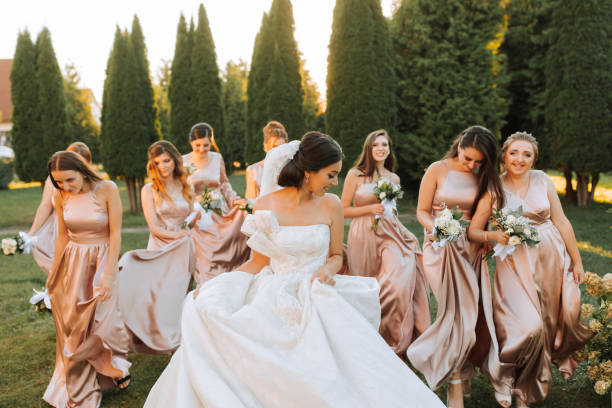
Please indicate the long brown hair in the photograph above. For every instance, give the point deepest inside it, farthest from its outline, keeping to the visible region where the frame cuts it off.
(366, 163)
(481, 139)
(66, 160)
(157, 149)
(202, 130)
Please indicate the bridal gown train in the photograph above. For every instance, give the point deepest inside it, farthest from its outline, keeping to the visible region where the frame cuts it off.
(276, 340)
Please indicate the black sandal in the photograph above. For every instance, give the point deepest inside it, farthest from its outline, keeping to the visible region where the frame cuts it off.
(121, 381)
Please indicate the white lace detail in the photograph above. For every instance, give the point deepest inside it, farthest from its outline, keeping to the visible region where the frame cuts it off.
(276, 159)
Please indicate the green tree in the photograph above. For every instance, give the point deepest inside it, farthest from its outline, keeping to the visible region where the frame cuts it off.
(360, 78)
(180, 90)
(30, 158)
(578, 72)
(275, 85)
(450, 74)
(233, 93)
(81, 124)
(160, 88)
(206, 85)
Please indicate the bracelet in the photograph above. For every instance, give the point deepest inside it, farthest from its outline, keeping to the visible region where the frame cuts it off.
(485, 236)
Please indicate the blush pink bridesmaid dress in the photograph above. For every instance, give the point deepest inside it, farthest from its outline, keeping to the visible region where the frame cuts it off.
(42, 245)
(392, 255)
(153, 282)
(253, 178)
(91, 340)
(221, 247)
(536, 304)
(459, 338)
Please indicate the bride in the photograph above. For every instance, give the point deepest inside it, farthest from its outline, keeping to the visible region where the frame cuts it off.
(283, 330)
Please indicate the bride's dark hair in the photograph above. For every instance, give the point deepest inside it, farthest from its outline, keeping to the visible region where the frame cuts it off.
(316, 151)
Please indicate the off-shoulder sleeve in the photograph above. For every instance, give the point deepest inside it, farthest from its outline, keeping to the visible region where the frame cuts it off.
(260, 227)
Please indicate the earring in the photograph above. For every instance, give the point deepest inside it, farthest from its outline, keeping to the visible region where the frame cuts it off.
(307, 179)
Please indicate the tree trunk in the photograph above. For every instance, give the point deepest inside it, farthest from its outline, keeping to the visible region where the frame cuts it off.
(137, 190)
(582, 188)
(570, 193)
(129, 184)
(594, 181)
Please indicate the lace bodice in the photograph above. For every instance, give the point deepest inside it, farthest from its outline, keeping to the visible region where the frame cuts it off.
(291, 249)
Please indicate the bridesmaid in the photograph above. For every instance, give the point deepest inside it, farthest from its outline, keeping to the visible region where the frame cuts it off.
(460, 336)
(220, 246)
(274, 134)
(537, 287)
(43, 232)
(391, 254)
(91, 340)
(154, 281)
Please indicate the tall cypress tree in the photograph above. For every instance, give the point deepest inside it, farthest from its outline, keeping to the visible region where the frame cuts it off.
(360, 76)
(149, 114)
(578, 71)
(206, 85)
(450, 76)
(51, 101)
(180, 90)
(275, 85)
(234, 110)
(29, 155)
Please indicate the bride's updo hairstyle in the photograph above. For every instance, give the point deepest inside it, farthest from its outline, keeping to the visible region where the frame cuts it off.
(316, 151)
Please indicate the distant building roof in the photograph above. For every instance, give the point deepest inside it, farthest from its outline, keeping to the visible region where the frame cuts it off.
(6, 107)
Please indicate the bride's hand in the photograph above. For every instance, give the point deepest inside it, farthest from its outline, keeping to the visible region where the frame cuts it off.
(324, 276)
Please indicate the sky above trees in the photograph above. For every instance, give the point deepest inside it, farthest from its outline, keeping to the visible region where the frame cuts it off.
(83, 31)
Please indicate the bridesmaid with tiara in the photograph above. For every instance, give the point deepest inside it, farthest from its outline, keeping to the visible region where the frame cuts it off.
(274, 134)
(219, 244)
(91, 340)
(536, 298)
(40, 239)
(153, 282)
(391, 254)
(460, 336)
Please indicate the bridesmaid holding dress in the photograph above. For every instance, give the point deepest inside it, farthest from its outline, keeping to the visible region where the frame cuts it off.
(536, 298)
(219, 244)
(91, 340)
(153, 282)
(274, 134)
(391, 254)
(43, 232)
(460, 336)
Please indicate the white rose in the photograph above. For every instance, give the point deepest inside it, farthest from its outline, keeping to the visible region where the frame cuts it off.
(382, 195)
(511, 219)
(514, 240)
(454, 228)
(441, 223)
(9, 246)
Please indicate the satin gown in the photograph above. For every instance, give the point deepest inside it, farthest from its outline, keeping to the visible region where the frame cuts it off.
(276, 340)
(536, 304)
(43, 244)
(253, 179)
(153, 282)
(221, 246)
(459, 338)
(91, 340)
(392, 255)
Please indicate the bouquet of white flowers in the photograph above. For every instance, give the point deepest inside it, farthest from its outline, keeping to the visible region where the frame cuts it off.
(518, 227)
(189, 168)
(41, 301)
(12, 246)
(387, 192)
(248, 207)
(212, 200)
(448, 226)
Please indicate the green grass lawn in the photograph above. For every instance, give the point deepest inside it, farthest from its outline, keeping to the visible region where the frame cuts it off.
(27, 338)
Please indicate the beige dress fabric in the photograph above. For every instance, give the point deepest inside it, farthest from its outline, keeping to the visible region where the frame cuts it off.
(221, 247)
(536, 304)
(43, 246)
(153, 282)
(253, 177)
(91, 340)
(392, 255)
(459, 338)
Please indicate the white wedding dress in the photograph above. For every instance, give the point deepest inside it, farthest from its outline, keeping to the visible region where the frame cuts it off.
(276, 340)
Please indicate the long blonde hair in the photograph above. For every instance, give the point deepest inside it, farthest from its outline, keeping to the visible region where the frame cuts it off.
(157, 149)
